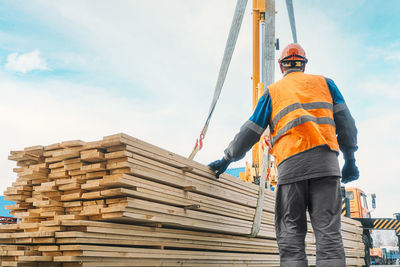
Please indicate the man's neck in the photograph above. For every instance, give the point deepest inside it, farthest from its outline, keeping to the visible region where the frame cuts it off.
(291, 70)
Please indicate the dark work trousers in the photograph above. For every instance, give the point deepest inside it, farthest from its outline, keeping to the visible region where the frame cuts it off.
(322, 198)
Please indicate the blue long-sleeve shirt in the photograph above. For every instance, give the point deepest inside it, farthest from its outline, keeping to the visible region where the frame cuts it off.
(316, 162)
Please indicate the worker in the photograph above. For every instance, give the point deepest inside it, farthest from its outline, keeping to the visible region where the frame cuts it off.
(309, 121)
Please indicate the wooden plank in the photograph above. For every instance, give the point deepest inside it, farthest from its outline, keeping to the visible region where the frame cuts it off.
(72, 143)
(93, 155)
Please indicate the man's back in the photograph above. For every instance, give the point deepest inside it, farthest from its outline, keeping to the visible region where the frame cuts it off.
(301, 115)
(301, 86)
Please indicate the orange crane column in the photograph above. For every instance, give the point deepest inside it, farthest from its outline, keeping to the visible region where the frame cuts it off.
(258, 15)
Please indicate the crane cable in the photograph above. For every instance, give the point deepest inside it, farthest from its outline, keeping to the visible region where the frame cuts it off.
(229, 48)
(289, 6)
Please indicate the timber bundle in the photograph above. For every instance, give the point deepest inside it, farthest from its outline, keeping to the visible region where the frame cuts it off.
(124, 202)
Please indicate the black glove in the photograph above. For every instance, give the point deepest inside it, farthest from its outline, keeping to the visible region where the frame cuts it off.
(349, 171)
(220, 166)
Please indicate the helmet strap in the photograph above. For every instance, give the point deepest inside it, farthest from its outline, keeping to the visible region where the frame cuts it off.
(293, 63)
(301, 57)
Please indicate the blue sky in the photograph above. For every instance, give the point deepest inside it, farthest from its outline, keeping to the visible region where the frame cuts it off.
(86, 69)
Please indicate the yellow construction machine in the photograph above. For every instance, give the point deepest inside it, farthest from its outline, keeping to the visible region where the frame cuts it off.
(355, 206)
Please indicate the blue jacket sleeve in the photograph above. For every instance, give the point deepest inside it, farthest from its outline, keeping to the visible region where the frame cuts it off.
(345, 125)
(251, 130)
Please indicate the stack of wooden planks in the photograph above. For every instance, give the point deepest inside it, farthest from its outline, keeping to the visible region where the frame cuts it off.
(123, 202)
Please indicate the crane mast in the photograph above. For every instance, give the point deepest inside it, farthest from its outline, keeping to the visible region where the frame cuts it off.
(263, 63)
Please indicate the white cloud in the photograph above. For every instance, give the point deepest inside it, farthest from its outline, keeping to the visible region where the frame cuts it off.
(389, 53)
(382, 86)
(393, 57)
(25, 62)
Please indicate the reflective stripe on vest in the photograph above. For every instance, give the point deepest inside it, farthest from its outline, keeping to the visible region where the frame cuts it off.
(302, 115)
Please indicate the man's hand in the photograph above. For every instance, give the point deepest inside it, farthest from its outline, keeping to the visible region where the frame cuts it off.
(219, 166)
(350, 171)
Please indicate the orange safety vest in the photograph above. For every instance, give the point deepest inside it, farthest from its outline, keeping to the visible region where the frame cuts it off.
(302, 115)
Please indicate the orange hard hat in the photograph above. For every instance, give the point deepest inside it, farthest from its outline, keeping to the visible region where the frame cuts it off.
(293, 52)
